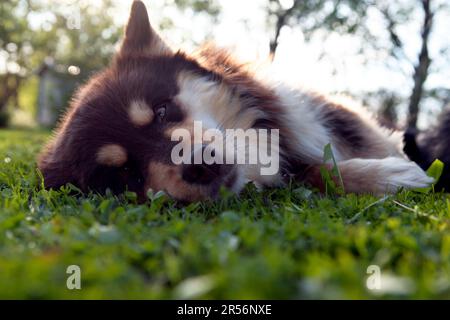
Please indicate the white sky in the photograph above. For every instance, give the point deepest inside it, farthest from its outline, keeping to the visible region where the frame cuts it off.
(242, 27)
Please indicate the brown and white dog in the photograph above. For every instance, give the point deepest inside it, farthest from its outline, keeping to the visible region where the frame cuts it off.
(117, 132)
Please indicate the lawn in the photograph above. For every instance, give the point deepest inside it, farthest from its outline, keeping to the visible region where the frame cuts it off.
(286, 243)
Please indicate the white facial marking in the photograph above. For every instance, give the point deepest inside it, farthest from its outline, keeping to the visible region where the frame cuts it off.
(112, 155)
(140, 113)
(213, 103)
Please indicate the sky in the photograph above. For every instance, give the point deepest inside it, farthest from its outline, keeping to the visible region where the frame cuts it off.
(242, 27)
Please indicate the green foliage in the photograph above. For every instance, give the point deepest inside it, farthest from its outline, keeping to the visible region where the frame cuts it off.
(330, 176)
(435, 171)
(279, 243)
(342, 16)
(211, 7)
(90, 47)
(34, 31)
(28, 95)
(26, 46)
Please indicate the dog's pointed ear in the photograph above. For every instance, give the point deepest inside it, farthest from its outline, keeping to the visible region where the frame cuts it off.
(140, 37)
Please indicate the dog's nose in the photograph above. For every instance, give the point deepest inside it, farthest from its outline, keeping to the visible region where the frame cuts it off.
(201, 173)
(204, 172)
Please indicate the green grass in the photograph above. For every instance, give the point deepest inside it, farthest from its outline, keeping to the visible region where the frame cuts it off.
(285, 243)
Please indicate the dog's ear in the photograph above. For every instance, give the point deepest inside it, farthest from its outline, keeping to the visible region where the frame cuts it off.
(140, 37)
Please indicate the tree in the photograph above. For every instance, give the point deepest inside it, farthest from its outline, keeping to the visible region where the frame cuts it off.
(24, 47)
(347, 16)
(87, 46)
(421, 68)
(210, 7)
(311, 15)
(14, 49)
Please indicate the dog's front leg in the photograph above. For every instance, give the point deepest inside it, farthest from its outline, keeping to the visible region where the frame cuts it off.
(374, 176)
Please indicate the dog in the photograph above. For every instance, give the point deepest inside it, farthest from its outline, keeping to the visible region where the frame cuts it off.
(434, 143)
(117, 133)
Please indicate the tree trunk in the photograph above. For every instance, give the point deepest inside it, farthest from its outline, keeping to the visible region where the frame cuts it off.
(9, 89)
(282, 18)
(274, 43)
(421, 69)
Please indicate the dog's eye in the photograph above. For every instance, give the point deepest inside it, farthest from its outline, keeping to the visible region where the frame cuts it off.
(161, 112)
(167, 111)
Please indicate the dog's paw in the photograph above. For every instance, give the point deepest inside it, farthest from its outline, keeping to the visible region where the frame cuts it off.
(399, 173)
(381, 176)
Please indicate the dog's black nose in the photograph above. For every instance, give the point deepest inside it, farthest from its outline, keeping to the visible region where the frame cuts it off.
(201, 173)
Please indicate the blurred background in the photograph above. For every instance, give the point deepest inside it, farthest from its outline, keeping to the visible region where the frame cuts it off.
(392, 56)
